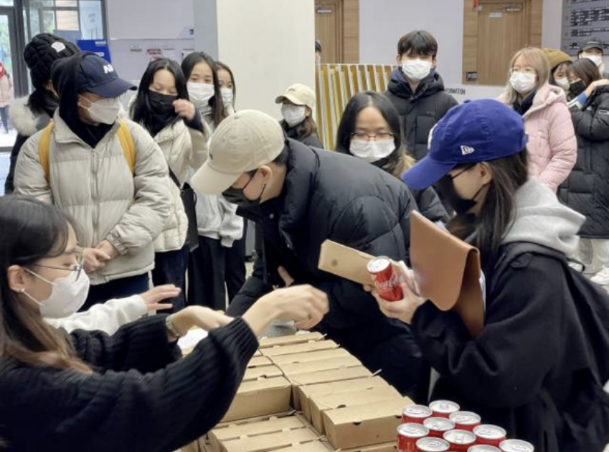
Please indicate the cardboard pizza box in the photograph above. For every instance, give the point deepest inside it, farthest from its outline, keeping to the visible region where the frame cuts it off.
(262, 397)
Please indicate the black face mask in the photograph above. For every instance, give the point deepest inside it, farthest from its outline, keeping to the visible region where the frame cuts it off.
(577, 88)
(237, 197)
(446, 186)
(163, 111)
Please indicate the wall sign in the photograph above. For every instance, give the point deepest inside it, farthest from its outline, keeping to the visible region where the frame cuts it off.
(582, 21)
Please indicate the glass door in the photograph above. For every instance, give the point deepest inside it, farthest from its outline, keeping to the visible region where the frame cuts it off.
(10, 75)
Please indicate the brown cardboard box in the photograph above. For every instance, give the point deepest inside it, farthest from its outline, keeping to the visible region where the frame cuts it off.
(315, 446)
(327, 402)
(306, 392)
(299, 348)
(301, 338)
(310, 356)
(249, 428)
(255, 373)
(294, 369)
(389, 447)
(261, 397)
(258, 361)
(364, 425)
(271, 441)
(327, 376)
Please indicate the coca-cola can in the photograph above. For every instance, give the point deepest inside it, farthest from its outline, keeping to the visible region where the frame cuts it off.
(460, 440)
(483, 448)
(465, 420)
(432, 445)
(385, 279)
(516, 445)
(416, 414)
(444, 408)
(438, 426)
(409, 434)
(490, 434)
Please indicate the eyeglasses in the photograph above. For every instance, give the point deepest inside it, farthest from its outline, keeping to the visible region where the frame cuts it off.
(369, 136)
(76, 268)
(523, 70)
(464, 170)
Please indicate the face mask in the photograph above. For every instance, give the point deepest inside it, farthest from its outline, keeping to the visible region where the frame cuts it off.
(416, 70)
(522, 83)
(577, 88)
(200, 94)
(237, 197)
(563, 83)
(598, 60)
(104, 111)
(162, 104)
(461, 206)
(293, 114)
(227, 96)
(371, 151)
(68, 295)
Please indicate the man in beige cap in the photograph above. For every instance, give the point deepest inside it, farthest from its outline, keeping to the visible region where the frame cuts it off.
(300, 196)
(297, 105)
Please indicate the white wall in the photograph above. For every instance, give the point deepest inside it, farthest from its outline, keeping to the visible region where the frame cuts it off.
(267, 43)
(552, 24)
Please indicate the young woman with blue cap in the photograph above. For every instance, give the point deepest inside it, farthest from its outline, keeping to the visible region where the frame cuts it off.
(538, 367)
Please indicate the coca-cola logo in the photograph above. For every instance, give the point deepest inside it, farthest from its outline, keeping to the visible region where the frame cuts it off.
(388, 285)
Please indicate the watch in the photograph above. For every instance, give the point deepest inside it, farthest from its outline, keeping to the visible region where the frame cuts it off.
(170, 327)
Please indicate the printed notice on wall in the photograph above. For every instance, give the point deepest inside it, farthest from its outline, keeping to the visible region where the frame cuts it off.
(584, 20)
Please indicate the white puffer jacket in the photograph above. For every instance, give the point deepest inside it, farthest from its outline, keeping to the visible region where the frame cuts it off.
(96, 187)
(185, 149)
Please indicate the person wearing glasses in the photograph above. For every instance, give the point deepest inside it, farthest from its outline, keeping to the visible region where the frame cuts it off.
(370, 130)
(552, 144)
(125, 392)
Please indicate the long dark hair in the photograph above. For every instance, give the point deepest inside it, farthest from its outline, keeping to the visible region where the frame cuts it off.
(29, 231)
(216, 104)
(399, 161)
(303, 130)
(221, 66)
(586, 70)
(497, 214)
(142, 110)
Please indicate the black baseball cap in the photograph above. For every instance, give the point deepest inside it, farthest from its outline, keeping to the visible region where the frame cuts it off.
(97, 76)
(592, 44)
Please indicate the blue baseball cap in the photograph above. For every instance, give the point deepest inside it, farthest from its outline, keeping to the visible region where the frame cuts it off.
(97, 76)
(477, 131)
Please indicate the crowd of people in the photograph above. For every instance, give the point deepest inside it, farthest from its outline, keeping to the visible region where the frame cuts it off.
(120, 210)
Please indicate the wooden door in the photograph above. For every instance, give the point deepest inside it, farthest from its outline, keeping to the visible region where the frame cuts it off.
(502, 32)
(328, 29)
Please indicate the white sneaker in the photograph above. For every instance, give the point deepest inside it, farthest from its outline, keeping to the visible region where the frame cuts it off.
(602, 277)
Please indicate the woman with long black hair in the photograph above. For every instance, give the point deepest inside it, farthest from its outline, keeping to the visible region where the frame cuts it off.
(94, 392)
(163, 108)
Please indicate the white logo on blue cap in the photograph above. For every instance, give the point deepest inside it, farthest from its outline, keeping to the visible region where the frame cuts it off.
(108, 68)
(466, 150)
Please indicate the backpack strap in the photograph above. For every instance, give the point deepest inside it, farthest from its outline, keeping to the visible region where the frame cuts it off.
(44, 147)
(124, 136)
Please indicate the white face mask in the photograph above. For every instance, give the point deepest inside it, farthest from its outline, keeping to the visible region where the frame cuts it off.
(104, 111)
(372, 151)
(200, 93)
(293, 114)
(68, 295)
(523, 83)
(416, 70)
(598, 60)
(227, 96)
(563, 83)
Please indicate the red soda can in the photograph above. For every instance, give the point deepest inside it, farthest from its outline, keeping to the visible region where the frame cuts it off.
(385, 279)
(432, 445)
(444, 408)
(438, 426)
(465, 420)
(516, 445)
(416, 414)
(460, 440)
(490, 435)
(483, 448)
(409, 434)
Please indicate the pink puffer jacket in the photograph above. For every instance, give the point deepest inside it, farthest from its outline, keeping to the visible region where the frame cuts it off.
(552, 144)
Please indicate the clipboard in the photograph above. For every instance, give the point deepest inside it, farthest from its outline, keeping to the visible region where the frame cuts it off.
(346, 262)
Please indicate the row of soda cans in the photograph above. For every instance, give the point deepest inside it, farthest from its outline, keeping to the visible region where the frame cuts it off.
(443, 427)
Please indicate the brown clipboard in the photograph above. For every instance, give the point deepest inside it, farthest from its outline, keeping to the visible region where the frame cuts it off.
(348, 263)
(447, 271)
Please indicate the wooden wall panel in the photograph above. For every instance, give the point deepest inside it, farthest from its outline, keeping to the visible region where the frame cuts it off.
(351, 31)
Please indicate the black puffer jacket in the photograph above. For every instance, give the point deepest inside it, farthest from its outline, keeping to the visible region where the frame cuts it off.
(419, 111)
(310, 140)
(587, 188)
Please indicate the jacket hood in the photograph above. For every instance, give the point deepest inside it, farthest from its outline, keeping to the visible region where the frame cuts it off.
(399, 86)
(22, 118)
(542, 219)
(546, 95)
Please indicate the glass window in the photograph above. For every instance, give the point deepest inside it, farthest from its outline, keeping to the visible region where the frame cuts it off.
(6, 3)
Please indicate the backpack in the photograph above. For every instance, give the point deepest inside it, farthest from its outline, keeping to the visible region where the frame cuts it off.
(591, 302)
(124, 136)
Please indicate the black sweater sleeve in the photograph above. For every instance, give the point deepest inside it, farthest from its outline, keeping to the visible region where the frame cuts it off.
(9, 184)
(127, 411)
(507, 364)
